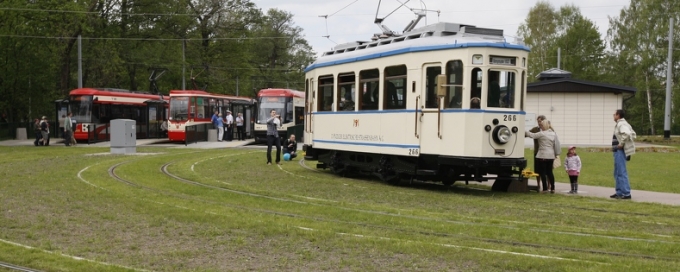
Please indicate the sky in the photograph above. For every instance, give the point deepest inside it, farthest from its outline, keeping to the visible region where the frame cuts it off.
(352, 20)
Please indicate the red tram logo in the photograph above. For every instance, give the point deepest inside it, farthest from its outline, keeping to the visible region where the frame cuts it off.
(356, 122)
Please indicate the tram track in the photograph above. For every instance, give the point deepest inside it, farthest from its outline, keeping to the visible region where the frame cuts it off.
(441, 188)
(164, 170)
(17, 268)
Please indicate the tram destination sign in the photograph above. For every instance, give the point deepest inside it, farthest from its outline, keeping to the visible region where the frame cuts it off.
(503, 61)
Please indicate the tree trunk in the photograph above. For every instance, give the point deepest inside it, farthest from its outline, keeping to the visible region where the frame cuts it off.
(649, 105)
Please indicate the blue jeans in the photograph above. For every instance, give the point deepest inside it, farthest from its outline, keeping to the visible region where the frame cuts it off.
(621, 174)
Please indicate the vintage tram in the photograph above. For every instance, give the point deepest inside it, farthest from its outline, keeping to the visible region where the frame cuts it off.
(442, 103)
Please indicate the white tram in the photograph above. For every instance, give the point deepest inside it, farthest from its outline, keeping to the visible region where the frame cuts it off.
(443, 103)
(290, 104)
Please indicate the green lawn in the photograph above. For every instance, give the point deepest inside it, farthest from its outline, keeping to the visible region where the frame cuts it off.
(225, 210)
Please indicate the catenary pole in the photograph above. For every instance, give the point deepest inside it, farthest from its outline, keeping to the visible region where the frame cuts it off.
(669, 82)
(80, 62)
(184, 45)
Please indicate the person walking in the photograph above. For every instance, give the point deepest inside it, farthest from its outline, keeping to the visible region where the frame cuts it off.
(572, 164)
(548, 150)
(623, 147)
(219, 124)
(240, 133)
(68, 129)
(37, 132)
(45, 131)
(273, 123)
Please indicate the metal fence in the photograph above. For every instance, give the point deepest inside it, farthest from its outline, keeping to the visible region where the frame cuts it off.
(8, 131)
(196, 133)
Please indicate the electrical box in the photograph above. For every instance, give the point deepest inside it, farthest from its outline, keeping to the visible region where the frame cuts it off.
(123, 136)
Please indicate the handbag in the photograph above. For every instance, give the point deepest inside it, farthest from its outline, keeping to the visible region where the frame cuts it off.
(557, 162)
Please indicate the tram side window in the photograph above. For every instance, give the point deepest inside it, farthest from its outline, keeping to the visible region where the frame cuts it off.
(346, 92)
(202, 107)
(501, 89)
(325, 101)
(521, 92)
(370, 89)
(454, 92)
(307, 95)
(395, 87)
(431, 86)
(476, 88)
(212, 107)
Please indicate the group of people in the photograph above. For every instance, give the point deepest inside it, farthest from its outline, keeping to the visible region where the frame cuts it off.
(225, 126)
(41, 127)
(547, 149)
(42, 130)
(289, 145)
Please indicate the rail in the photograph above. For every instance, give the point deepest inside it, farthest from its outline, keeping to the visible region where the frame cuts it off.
(416, 117)
(439, 117)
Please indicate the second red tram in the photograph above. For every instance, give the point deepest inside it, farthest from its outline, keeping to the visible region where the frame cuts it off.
(192, 107)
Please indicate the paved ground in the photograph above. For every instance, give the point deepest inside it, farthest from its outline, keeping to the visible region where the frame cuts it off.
(560, 188)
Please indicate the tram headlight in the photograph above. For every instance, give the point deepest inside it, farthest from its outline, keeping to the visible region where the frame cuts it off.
(501, 134)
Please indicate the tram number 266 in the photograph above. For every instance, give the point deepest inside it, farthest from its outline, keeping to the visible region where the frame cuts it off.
(509, 117)
(413, 152)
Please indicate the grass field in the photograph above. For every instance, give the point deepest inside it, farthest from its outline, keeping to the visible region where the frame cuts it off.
(225, 210)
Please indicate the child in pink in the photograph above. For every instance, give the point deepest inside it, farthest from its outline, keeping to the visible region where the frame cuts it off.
(572, 163)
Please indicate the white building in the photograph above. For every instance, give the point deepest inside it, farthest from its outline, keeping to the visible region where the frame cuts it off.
(581, 112)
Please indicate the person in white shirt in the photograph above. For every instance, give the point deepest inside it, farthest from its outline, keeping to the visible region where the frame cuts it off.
(273, 123)
(240, 127)
(229, 125)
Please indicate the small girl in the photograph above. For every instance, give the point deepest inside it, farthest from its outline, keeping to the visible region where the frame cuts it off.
(572, 163)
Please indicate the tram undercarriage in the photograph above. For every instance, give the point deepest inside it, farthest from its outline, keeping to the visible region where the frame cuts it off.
(430, 168)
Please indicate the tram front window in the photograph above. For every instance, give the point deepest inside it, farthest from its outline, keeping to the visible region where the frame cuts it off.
(81, 107)
(179, 108)
(501, 89)
(266, 104)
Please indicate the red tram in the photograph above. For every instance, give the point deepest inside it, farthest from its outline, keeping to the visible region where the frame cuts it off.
(193, 107)
(94, 108)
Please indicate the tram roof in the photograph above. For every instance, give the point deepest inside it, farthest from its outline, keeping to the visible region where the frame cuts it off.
(280, 92)
(197, 93)
(439, 36)
(115, 92)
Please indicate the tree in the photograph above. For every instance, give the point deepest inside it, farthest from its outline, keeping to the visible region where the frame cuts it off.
(539, 32)
(546, 29)
(638, 38)
(281, 51)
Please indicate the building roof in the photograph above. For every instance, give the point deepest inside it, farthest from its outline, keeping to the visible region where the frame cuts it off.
(570, 85)
(553, 73)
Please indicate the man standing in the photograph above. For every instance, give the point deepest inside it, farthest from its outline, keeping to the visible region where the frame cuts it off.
(239, 127)
(230, 126)
(623, 147)
(68, 129)
(273, 123)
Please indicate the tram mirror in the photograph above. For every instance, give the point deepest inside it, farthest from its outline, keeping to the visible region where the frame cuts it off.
(441, 85)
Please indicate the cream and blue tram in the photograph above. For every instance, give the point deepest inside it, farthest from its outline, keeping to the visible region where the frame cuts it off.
(442, 103)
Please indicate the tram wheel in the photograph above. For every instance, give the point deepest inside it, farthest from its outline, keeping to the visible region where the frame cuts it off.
(336, 165)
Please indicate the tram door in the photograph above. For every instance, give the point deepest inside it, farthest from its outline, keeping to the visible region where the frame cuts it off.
(429, 122)
(157, 114)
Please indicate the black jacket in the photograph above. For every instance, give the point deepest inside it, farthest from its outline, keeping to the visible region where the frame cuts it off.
(288, 142)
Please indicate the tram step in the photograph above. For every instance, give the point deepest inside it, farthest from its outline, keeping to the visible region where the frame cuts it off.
(427, 172)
